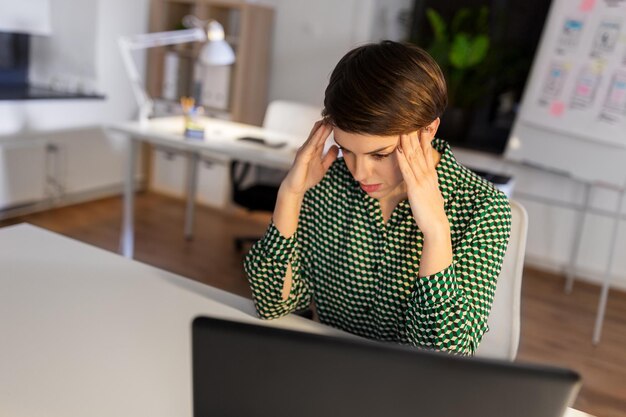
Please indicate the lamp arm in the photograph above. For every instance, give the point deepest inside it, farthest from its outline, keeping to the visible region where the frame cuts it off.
(143, 41)
(172, 37)
(142, 98)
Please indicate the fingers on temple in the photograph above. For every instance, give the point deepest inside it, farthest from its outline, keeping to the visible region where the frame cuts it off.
(405, 167)
(324, 133)
(427, 149)
(312, 135)
(312, 143)
(414, 155)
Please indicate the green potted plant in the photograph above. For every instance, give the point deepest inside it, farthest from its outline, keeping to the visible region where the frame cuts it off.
(461, 47)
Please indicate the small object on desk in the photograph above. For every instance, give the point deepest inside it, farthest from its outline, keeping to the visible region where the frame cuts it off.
(193, 127)
(187, 104)
(263, 142)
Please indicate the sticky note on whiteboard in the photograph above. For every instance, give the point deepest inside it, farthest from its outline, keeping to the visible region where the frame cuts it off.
(587, 5)
(557, 108)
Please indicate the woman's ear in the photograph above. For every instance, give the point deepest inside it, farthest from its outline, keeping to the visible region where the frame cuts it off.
(431, 129)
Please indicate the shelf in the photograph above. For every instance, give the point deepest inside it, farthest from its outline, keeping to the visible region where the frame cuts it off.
(248, 29)
(12, 92)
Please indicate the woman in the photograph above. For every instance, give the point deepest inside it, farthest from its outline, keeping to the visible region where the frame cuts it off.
(394, 241)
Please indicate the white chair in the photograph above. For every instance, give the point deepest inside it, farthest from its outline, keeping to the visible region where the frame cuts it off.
(291, 117)
(256, 189)
(502, 339)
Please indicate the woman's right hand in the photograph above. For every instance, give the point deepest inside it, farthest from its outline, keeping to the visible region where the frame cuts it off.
(310, 165)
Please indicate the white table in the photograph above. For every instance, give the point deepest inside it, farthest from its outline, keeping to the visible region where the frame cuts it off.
(220, 138)
(85, 332)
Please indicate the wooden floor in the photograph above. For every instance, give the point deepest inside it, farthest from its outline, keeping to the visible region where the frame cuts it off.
(556, 328)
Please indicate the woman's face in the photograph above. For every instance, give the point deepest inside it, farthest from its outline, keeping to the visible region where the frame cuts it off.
(372, 161)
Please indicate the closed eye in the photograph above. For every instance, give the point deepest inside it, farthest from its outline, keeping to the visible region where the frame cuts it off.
(380, 156)
(376, 156)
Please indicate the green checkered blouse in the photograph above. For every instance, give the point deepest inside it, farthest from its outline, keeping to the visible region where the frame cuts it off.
(362, 274)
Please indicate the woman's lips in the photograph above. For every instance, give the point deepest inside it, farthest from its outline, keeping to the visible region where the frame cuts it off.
(370, 188)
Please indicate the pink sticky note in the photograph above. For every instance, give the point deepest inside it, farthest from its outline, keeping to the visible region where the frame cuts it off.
(587, 5)
(557, 108)
(583, 90)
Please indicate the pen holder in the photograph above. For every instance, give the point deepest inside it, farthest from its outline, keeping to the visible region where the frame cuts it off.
(194, 128)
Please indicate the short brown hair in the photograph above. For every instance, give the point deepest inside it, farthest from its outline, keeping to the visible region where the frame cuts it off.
(385, 89)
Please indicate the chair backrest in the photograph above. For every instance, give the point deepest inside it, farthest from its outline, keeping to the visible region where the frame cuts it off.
(502, 339)
(291, 117)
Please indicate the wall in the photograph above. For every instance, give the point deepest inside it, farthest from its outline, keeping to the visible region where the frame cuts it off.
(311, 36)
(67, 58)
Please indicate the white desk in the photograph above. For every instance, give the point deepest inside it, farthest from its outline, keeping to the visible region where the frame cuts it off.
(220, 138)
(85, 332)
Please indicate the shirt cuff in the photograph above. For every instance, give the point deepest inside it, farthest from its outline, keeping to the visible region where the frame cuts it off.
(276, 246)
(436, 288)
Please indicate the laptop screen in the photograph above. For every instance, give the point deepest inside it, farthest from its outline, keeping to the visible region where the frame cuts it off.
(252, 370)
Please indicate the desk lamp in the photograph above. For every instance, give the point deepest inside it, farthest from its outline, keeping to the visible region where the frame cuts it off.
(216, 51)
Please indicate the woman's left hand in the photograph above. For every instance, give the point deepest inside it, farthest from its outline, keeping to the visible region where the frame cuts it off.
(416, 158)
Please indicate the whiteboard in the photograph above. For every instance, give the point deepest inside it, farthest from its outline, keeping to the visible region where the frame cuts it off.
(573, 113)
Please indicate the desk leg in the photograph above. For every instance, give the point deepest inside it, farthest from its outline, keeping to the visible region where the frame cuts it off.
(127, 239)
(192, 188)
(604, 295)
(580, 222)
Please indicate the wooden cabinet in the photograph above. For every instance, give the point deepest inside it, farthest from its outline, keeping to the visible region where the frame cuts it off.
(248, 29)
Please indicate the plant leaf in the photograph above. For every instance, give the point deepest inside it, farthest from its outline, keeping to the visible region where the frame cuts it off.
(459, 18)
(478, 50)
(459, 50)
(437, 24)
(467, 52)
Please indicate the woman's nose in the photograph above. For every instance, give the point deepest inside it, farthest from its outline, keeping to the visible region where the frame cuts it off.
(361, 170)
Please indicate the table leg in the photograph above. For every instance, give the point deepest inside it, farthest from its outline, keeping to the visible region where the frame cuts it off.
(127, 239)
(597, 331)
(192, 188)
(580, 222)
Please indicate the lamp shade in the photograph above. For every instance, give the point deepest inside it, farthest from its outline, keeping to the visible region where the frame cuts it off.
(217, 53)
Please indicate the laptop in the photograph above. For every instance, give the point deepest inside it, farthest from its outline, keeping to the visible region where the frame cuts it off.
(247, 370)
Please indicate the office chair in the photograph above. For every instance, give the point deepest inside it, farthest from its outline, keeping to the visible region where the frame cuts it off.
(256, 188)
(502, 339)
